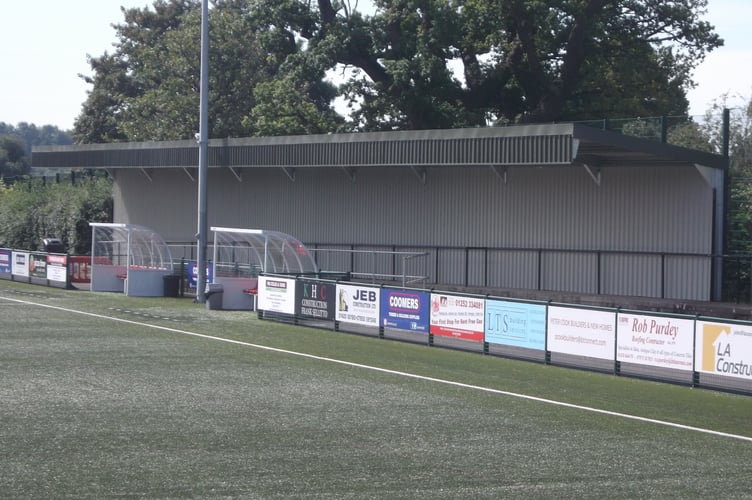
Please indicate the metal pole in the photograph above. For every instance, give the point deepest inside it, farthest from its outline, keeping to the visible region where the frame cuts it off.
(203, 153)
(721, 213)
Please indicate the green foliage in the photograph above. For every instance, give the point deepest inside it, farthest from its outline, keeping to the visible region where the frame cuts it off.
(521, 61)
(34, 210)
(412, 64)
(707, 135)
(291, 104)
(149, 88)
(33, 135)
(13, 159)
(16, 143)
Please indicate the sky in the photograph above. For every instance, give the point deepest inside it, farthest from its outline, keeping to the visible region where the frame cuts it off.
(44, 46)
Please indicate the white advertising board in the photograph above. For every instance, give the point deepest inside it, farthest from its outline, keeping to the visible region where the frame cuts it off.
(581, 332)
(20, 266)
(57, 268)
(358, 304)
(724, 349)
(276, 294)
(655, 341)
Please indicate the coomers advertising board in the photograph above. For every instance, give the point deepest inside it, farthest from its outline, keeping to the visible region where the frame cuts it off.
(405, 310)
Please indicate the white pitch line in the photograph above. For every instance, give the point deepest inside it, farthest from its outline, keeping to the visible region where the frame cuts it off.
(393, 372)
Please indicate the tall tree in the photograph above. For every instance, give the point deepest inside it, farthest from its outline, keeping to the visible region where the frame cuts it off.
(410, 64)
(148, 89)
(34, 135)
(13, 159)
(520, 60)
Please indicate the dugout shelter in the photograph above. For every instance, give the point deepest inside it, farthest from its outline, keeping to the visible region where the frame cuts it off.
(561, 207)
(128, 258)
(240, 254)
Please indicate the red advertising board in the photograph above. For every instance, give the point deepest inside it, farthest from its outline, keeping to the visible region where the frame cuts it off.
(457, 317)
(80, 269)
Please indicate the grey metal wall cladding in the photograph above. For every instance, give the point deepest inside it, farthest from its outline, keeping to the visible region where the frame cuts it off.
(373, 261)
(475, 262)
(117, 155)
(355, 150)
(641, 209)
(487, 151)
(631, 274)
(166, 203)
(513, 269)
(491, 150)
(450, 265)
(569, 272)
(332, 258)
(687, 277)
(419, 265)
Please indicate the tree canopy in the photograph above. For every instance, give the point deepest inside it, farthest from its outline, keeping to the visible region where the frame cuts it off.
(278, 66)
(16, 143)
(13, 160)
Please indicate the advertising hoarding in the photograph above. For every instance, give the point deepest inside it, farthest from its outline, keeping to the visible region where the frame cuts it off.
(655, 341)
(80, 269)
(405, 310)
(724, 349)
(581, 332)
(358, 304)
(38, 265)
(276, 294)
(20, 263)
(516, 324)
(57, 268)
(315, 299)
(193, 273)
(5, 259)
(457, 316)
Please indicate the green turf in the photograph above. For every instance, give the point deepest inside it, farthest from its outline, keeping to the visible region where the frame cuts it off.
(93, 408)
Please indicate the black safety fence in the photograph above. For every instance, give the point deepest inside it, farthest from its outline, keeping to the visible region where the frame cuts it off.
(693, 350)
(39, 268)
(683, 349)
(62, 270)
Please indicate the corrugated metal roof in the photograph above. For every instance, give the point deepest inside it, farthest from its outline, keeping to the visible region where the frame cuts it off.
(534, 145)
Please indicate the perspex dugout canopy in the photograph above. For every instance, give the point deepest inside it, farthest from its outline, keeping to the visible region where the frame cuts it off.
(246, 252)
(128, 258)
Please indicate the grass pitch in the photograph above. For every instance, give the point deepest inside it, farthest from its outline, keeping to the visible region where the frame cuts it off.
(98, 408)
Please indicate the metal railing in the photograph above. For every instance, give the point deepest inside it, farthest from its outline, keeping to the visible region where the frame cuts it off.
(322, 256)
(524, 268)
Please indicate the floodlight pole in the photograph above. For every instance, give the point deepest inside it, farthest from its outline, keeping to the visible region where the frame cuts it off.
(203, 156)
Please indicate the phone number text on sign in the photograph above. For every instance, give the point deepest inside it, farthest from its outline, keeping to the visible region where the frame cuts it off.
(457, 316)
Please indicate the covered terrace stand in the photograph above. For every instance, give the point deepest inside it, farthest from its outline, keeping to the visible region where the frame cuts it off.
(241, 254)
(128, 258)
